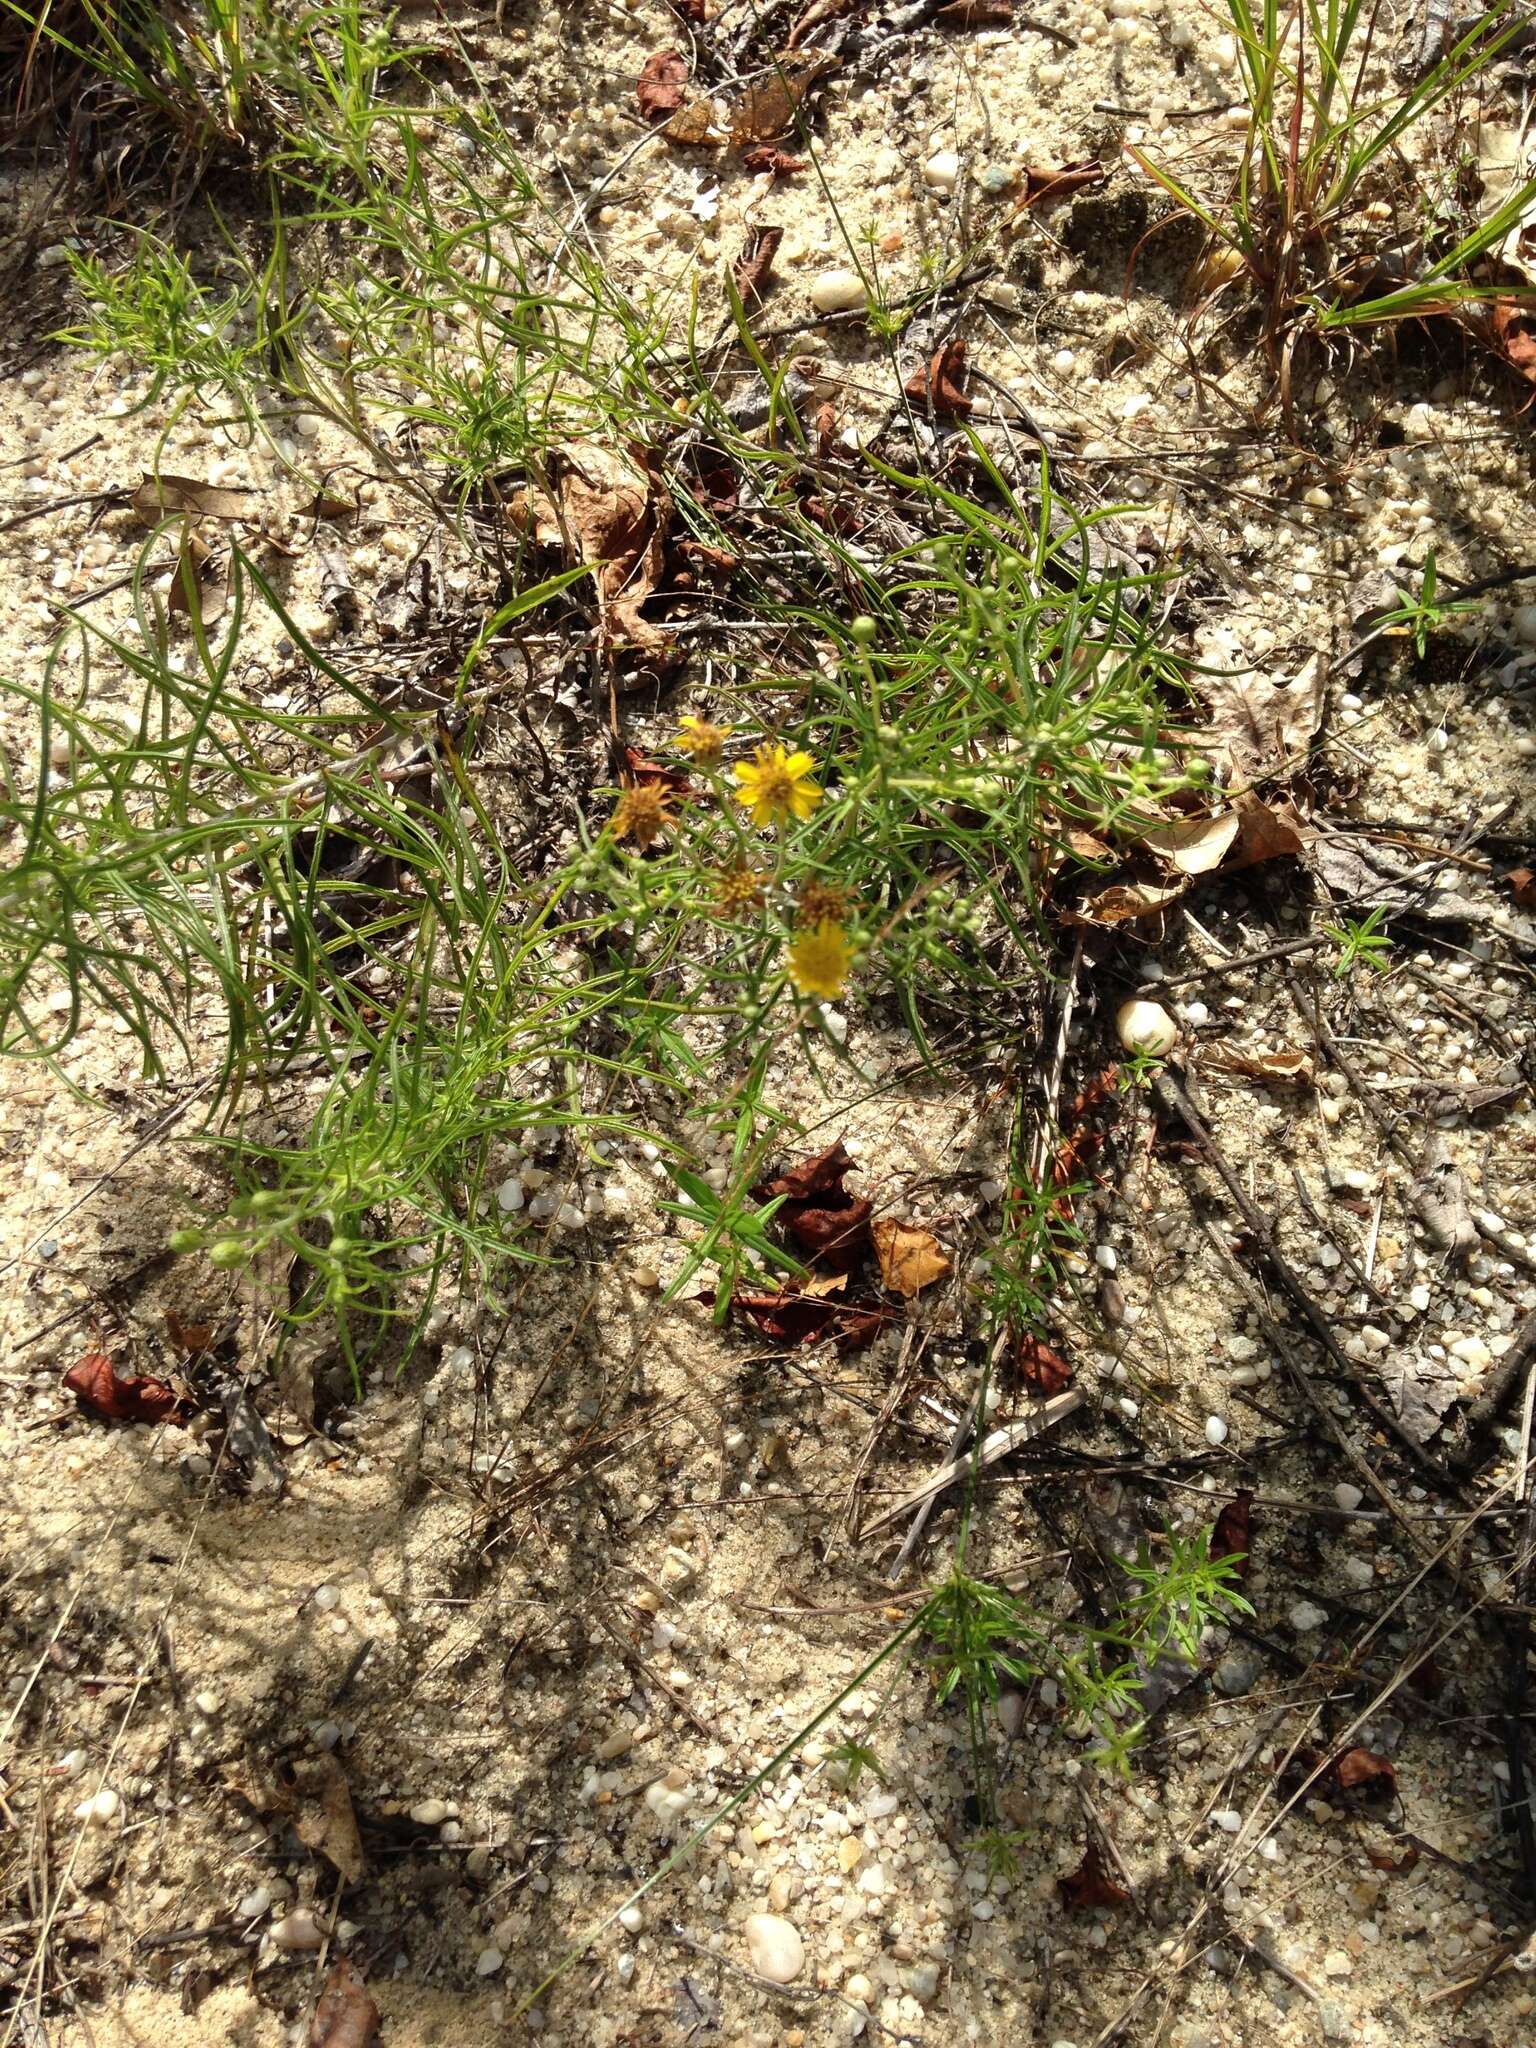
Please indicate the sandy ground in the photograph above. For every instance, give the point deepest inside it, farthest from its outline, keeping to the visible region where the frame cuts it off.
(584, 1545)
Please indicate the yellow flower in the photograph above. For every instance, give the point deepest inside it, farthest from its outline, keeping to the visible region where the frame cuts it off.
(642, 814)
(819, 961)
(738, 888)
(776, 785)
(701, 740)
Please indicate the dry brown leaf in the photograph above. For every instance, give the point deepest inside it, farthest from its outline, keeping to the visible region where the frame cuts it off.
(1042, 185)
(323, 506)
(1194, 845)
(1261, 727)
(1267, 832)
(911, 1258)
(94, 1382)
(345, 2014)
(1091, 1884)
(198, 586)
(1522, 883)
(937, 383)
(764, 157)
(1124, 902)
(694, 125)
(767, 109)
(754, 266)
(974, 14)
(1040, 1367)
(157, 497)
(315, 1793)
(659, 91)
(1514, 333)
(618, 516)
(1283, 1064)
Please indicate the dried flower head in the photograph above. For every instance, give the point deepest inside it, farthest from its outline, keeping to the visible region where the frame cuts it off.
(642, 814)
(819, 961)
(701, 740)
(817, 900)
(738, 888)
(776, 785)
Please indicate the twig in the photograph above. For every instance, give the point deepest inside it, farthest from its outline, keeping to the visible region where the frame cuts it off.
(955, 1466)
(1172, 1095)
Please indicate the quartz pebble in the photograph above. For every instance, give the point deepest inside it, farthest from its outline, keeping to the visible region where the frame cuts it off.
(1306, 1616)
(631, 1919)
(208, 1703)
(429, 1813)
(488, 1962)
(297, 1930)
(1348, 1497)
(1215, 1430)
(839, 291)
(775, 1948)
(101, 1809)
(941, 173)
(1145, 1027)
(254, 1904)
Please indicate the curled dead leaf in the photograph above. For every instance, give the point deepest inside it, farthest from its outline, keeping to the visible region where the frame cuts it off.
(94, 1382)
(694, 125)
(1042, 186)
(911, 1258)
(1194, 846)
(1040, 1367)
(659, 91)
(1514, 335)
(345, 2014)
(157, 497)
(803, 1316)
(1091, 1884)
(618, 515)
(974, 14)
(754, 265)
(315, 1795)
(768, 109)
(765, 159)
(1233, 1534)
(937, 384)
(1363, 1771)
(1284, 1063)
(1124, 902)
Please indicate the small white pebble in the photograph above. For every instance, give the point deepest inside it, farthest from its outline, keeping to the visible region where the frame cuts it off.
(1215, 1430)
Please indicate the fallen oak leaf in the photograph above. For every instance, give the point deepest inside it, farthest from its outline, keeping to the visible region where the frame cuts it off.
(937, 383)
(659, 90)
(910, 1257)
(94, 1382)
(754, 266)
(638, 769)
(793, 1316)
(1266, 832)
(345, 2014)
(1090, 1884)
(1522, 883)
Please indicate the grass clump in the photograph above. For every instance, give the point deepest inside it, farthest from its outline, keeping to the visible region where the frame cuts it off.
(1344, 213)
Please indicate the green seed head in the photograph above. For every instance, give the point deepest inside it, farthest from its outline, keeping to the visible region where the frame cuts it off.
(864, 630)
